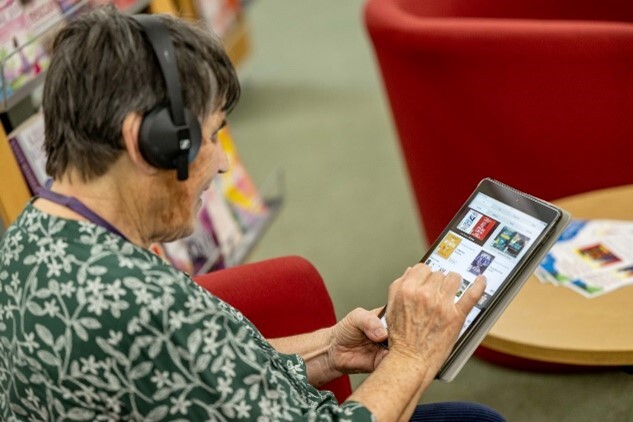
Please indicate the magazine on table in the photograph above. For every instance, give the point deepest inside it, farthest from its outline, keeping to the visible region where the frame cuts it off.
(592, 257)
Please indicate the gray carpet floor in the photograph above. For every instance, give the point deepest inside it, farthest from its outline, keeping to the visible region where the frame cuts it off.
(313, 107)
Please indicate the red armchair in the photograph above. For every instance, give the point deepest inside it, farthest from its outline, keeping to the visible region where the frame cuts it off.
(282, 297)
(535, 93)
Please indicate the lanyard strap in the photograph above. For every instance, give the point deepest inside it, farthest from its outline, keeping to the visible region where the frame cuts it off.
(79, 207)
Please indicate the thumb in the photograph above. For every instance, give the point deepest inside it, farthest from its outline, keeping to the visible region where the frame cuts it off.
(373, 327)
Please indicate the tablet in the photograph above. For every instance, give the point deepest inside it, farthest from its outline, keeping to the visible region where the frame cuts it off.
(500, 233)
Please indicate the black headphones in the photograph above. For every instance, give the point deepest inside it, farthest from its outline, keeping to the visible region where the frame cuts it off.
(170, 134)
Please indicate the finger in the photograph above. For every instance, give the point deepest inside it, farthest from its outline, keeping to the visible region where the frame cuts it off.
(412, 279)
(370, 324)
(419, 272)
(373, 327)
(435, 279)
(472, 295)
(396, 283)
(451, 284)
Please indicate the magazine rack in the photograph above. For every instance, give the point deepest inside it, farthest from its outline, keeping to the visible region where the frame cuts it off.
(273, 192)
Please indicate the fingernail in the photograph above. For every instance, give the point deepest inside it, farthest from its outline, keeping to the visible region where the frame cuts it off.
(380, 332)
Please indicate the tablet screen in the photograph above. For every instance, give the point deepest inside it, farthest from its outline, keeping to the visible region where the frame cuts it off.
(487, 237)
(493, 234)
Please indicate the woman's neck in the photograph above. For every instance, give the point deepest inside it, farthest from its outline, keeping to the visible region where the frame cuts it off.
(115, 202)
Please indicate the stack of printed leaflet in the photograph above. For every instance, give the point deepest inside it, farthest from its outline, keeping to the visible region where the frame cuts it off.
(592, 257)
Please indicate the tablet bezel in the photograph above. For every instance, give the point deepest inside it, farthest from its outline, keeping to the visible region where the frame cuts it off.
(520, 201)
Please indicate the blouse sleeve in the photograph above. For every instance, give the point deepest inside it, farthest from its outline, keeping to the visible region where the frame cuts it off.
(204, 361)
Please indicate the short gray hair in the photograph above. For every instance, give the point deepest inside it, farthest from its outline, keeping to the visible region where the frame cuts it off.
(102, 68)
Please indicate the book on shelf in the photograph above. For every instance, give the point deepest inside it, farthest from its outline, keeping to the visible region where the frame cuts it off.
(27, 144)
(218, 15)
(186, 9)
(26, 35)
(23, 47)
(42, 15)
(72, 8)
(217, 209)
(243, 197)
(119, 4)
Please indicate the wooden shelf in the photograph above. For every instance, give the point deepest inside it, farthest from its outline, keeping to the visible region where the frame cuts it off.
(14, 193)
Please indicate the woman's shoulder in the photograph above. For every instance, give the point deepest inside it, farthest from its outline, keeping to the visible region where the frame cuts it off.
(86, 256)
(82, 243)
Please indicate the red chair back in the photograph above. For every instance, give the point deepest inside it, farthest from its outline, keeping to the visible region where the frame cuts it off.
(535, 93)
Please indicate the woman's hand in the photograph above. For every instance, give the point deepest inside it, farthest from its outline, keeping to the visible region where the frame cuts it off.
(424, 321)
(353, 342)
(422, 315)
(423, 318)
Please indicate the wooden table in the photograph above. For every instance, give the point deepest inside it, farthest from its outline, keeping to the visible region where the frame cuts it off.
(555, 324)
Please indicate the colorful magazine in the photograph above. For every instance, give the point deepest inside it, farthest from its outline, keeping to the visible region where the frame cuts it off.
(245, 202)
(592, 257)
(27, 144)
(22, 54)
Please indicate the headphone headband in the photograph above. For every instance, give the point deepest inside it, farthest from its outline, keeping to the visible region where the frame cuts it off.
(164, 51)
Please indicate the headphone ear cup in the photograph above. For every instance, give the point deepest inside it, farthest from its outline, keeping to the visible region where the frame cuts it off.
(159, 138)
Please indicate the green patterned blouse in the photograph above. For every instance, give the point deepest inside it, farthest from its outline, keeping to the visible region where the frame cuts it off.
(95, 328)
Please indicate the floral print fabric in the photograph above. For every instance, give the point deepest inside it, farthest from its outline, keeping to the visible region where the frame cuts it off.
(95, 328)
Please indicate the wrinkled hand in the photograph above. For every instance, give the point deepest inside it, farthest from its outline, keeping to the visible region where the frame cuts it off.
(423, 318)
(353, 342)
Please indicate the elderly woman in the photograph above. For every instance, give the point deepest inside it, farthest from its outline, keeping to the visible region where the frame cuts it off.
(94, 326)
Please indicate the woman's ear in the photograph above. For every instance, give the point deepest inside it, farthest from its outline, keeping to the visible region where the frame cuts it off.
(131, 132)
